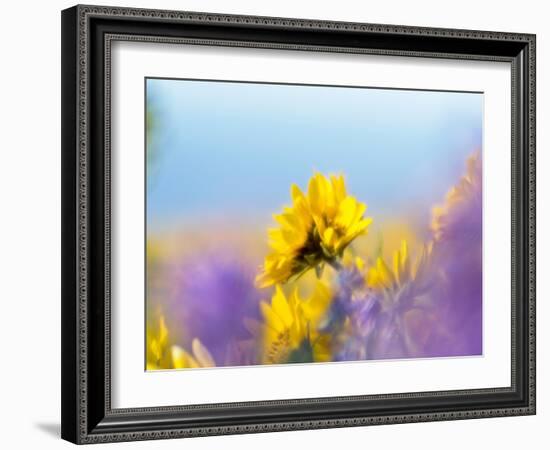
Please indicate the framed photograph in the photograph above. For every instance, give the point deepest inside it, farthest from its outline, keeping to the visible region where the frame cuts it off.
(278, 224)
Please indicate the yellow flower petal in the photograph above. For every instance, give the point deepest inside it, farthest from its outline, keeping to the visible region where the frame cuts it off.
(300, 324)
(202, 355)
(181, 359)
(316, 228)
(281, 308)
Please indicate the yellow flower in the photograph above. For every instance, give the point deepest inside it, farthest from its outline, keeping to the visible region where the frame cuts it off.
(158, 356)
(162, 355)
(314, 230)
(380, 276)
(200, 356)
(403, 272)
(289, 332)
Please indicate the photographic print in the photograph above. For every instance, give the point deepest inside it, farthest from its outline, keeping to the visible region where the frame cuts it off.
(291, 223)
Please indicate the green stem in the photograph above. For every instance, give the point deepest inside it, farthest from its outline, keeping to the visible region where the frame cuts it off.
(335, 264)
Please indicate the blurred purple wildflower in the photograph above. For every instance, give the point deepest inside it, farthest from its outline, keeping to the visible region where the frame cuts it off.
(212, 294)
(352, 316)
(433, 309)
(457, 250)
(375, 322)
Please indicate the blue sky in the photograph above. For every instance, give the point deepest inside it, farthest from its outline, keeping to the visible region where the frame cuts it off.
(224, 149)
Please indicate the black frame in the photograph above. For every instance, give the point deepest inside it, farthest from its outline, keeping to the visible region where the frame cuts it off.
(87, 33)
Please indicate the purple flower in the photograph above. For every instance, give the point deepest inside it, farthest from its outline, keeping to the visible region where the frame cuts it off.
(212, 295)
(457, 250)
(425, 308)
(352, 316)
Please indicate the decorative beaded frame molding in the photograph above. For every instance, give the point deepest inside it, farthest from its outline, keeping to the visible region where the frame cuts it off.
(87, 35)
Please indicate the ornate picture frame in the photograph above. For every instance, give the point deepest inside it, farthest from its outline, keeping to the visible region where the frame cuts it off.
(88, 33)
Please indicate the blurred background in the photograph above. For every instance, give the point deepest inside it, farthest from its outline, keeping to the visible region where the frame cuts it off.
(222, 156)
